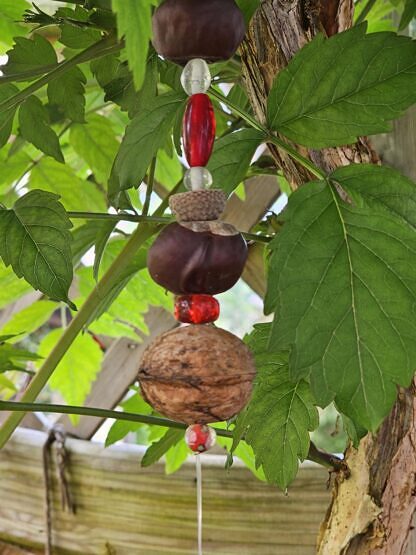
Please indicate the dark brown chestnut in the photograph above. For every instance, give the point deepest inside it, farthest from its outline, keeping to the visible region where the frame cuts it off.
(208, 29)
(197, 257)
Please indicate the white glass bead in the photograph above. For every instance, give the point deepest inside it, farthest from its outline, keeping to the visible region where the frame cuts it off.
(197, 178)
(196, 77)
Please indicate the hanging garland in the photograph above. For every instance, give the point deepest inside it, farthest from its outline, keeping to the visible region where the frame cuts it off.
(198, 373)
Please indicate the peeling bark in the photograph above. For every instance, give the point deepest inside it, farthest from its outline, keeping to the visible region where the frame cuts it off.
(371, 512)
(277, 31)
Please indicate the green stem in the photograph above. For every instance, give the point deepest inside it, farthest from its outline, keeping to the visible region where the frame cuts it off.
(119, 217)
(327, 460)
(268, 137)
(97, 50)
(150, 219)
(100, 413)
(366, 10)
(108, 281)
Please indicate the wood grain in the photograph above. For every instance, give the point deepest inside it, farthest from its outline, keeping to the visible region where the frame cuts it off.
(136, 511)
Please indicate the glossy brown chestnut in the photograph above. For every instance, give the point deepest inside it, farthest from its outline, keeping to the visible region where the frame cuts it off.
(199, 257)
(197, 374)
(208, 29)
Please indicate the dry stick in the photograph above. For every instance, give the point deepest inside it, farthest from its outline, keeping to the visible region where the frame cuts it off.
(327, 460)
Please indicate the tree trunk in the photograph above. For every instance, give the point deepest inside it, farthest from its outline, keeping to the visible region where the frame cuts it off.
(371, 512)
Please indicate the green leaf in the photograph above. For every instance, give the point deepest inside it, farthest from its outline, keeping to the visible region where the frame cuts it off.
(248, 7)
(35, 128)
(408, 14)
(73, 35)
(6, 118)
(76, 194)
(121, 428)
(67, 93)
(231, 158)
(12, 167)
(135, 24)
(11, 288)
(11, 358)
(176, 456)
(35, 240)
(84, 238)
(169, 170)
(77, 370)
(96, 143)
(159, 448)
(29, 54)
(277, 421)
(101, 240)
(29, 319)
(11, 12)
(336, 89)
(350, 324)
(144, 136)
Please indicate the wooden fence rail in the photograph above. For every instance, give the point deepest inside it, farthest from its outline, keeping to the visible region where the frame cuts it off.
(123, 509)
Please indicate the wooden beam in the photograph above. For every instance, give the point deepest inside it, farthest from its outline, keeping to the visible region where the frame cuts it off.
(142, 511)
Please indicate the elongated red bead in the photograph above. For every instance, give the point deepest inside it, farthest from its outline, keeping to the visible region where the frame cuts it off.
(196, 309)
(198, 129)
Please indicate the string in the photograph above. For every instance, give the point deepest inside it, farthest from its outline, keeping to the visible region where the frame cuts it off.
(199, 501)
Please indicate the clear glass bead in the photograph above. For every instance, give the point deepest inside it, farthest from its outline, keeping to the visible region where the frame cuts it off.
(197, 178)
(196, 77)
(199, 438)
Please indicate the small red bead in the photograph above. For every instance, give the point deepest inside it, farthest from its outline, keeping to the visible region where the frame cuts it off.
(198, 129)
(199, 438)
(196, 309)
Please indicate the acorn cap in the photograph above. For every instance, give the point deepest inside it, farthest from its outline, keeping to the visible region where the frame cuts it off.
(203, 205)
(197, 374)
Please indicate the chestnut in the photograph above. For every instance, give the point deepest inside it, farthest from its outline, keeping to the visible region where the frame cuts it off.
(197, 374)
(207, 29)
(197, 257)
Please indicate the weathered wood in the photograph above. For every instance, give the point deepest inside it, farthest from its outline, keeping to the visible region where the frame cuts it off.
(118, 372)
(143, 512)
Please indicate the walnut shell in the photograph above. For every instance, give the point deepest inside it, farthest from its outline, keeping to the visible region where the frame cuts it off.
(197, 374)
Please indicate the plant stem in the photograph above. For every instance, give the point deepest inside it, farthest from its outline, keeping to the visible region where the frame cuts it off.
(105, 285)
(101, 413)
(150, 219)
(97, 50)
(366, 10)
(119, 217)
(324, 459)
(268, 137)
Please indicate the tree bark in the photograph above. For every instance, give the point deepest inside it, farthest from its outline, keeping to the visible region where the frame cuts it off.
(371, 512)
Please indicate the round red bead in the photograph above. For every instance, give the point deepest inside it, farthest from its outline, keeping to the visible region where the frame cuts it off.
(199, 438)
(198, 129)
(196, 309)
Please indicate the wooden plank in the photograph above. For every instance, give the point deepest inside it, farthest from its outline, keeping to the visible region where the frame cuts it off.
(397, 149)
(144, 512)
(261, 193)
(119, 371)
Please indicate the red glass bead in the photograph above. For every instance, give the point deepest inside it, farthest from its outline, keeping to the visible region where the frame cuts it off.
(196, 309)
(198, 129)
(199, 438)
